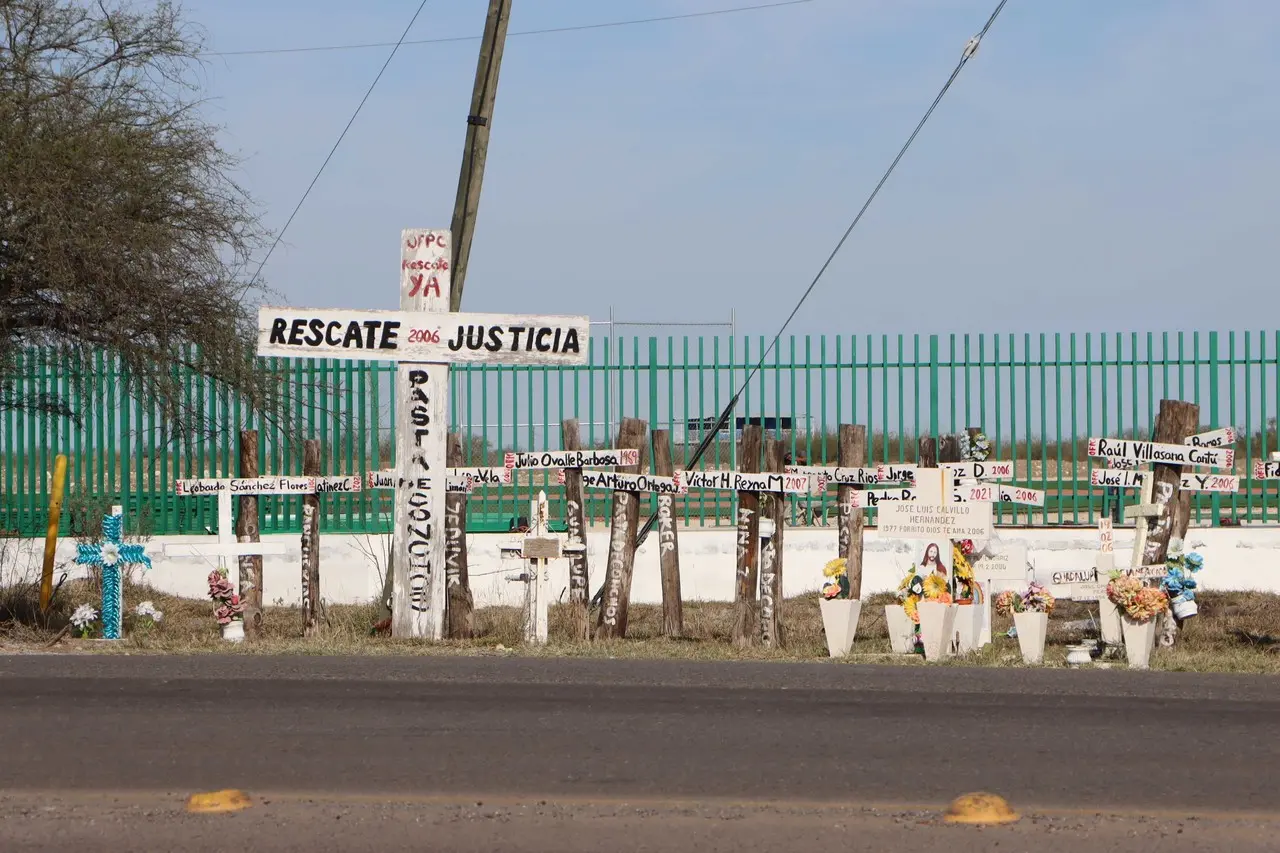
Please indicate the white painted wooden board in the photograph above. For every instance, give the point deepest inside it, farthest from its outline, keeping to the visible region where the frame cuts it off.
(572, 458)
(1266, 470)
(421, 391)
(419, 335)
(1167, 454)
(994, 470)
(1212, 438)
(194, 488)
(896, 473)
(648, 483)
(837, 476)
(1189, 482)
(998, 493)
(736, 481)
(871, 498)
(919, 520)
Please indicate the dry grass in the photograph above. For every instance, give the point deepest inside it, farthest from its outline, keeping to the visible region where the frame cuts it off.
(1208, 643)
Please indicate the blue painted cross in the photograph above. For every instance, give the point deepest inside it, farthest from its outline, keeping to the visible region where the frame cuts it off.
(112, 555)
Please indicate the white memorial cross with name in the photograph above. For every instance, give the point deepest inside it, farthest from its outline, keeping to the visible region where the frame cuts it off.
(225, 489)
(1202, 449)
(538, 546)
(423, 338)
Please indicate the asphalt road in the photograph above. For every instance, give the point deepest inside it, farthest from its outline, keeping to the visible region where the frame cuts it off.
(110, 735)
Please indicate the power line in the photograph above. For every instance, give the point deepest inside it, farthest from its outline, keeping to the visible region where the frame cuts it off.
(541, 32)
(395, 47)
(970, 48)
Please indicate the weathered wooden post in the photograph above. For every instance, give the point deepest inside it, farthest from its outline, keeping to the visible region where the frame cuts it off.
(1175, 421)
(459, 603)
(247, 531)
(747, 577)
(310, 541)
(575, 521)
(851, 453)
(622, 539)
(668, 543)
(772, 629)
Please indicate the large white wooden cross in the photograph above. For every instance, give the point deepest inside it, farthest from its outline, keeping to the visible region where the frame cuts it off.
(423, 338)
(225, 489)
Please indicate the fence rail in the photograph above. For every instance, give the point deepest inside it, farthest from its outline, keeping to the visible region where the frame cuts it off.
(1038, 397)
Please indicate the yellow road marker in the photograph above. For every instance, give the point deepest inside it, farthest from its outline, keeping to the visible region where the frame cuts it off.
(980, 809)
(216, 802)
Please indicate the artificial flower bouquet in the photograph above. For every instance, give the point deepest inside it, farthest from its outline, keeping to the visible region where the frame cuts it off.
(962, 570)
(85, 619)
(1036, 599)
(836, 585)
(1179, 583)
(1137, 602)
(976, 449)
(230, 607)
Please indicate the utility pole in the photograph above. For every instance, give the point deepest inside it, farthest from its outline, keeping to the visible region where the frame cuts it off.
(477, 147)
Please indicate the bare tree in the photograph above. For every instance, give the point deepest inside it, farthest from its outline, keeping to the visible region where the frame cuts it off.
(121, 228)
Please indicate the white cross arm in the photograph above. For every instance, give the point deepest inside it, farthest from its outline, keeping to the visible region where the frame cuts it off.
(224, 549)
(573, 458)
(999, 493)
(837, 475)
(1165, 454)
(236, 486)
(652, 483)
(1146, 510)
(1267, 470)
(1001, 470)
(736, 481)
(460, 480)
(1212, 438)
(429, 337)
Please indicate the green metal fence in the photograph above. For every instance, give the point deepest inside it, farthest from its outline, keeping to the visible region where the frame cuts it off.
(1038, 397)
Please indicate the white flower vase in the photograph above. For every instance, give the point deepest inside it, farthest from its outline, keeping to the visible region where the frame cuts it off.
(233, 631)
(938, 629)
(1139, 640)
(1032, 628)
(840, 623)
(902, 631)
(969, 624)
(1109, 616)
(1184, 608)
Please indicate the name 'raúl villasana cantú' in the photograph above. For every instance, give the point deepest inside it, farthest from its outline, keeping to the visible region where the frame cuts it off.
(516, 338)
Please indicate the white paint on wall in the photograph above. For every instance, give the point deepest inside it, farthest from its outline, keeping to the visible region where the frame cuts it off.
(1238, 558)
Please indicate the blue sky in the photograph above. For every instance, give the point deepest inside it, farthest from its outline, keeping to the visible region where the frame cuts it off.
(1098, 166)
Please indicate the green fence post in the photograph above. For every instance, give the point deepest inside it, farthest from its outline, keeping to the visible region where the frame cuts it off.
(933, 387)
(1215, 497)
(653, 410)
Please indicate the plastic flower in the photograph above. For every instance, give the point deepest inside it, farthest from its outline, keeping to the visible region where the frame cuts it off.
(220, 588)
(147, 610)
(84, 617)
(1195, 561)
(835, 567)
(110, 553)
(1147, 604)
(230, 610)
(831, 590)
(1122, 589)
(943, 598)
(935, 586)
(1007, 603)
(1037, 599)
(912, 607)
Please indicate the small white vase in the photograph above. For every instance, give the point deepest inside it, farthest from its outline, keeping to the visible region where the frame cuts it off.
(840, 623)
(1078, 656)
(902, 631)
(1139, 640)
(1184, 608)
(1032, 628)
(1109, 616)
(233, 631)
(938, 629)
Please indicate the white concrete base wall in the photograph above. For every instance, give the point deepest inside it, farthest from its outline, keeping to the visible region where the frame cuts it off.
(1235, 559)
